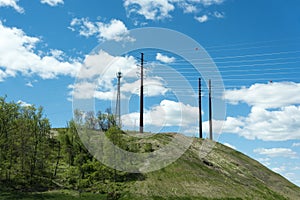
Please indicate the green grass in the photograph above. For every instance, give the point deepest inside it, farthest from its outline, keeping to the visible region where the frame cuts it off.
(51, 195)
(224, 174)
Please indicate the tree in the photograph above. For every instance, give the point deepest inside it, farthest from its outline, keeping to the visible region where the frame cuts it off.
(106, 120)
(24, 142)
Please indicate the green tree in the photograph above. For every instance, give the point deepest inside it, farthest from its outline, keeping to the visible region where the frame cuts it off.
(24, 142)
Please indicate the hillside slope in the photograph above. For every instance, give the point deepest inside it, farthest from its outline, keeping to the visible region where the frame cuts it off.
(223, 174)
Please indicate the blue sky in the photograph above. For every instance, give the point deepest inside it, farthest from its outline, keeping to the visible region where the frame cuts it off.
(254, 44)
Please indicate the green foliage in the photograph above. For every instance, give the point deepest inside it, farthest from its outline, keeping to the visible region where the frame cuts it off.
(25, 143)
(34, 159)
(54, 195)
(148, 147)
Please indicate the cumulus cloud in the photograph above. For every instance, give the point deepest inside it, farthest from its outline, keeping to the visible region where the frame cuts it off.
(17, 55)
(152, 9)
(230, 145)
(202, 19)
(275, 125)
(167, 114)
(29, 84)
(13, 4)
(58, 54)
(276, 152)
(153, 86)
(279, 170)
(114, 30)
(23, 103)
(97, 78)
(105, 65)
(86, 28)
(188, 8)
(271, 95)
(52, 2)
(296, 144)
(161, 9)
(209, 2)
(265, 161)
(274, 115)
(218, 14)
(78, 88)
(165, 59)
(230, 125)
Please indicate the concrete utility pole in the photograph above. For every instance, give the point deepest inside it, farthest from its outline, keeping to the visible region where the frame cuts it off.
(142, 95)
(210, 111)
(118, 103)
(200, 110)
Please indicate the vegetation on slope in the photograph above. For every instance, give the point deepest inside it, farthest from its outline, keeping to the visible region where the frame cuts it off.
(224, 173)
(37, 162)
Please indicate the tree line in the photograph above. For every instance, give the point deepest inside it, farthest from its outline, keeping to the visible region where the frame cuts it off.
(35, 157)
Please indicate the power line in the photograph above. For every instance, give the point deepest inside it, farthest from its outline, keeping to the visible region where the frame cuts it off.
(243, 56)
(254, 43)
(260, 44)
(191, 67)
(239, 61)
(222, 76)
(222, 71)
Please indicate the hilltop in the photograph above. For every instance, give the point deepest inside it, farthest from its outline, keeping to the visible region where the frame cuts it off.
(223, 174)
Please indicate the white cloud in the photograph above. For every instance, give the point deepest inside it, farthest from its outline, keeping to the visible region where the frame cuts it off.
(279, 170)
(52, 2)
(161, 9)
(188, 8)
(86, 28)
(265, 161)
(218, 14)
(274, 115)
(17, 55)
(230, 125)
(58, 54)
(151, 9)
(167, 114)
(276, 152)
(78, 88)
(23, 103)
(296, 168)
(29, 84)
(89, 90)
(97, 78)
(13, 4)
(296, 144)
(105, 90)
(162, 58)
(152, 87)
(290, 176)
(202, 19)
(276, 125)
(102, 63)
(271, 95)
(208, 2)
(229, 145)
(114, 30)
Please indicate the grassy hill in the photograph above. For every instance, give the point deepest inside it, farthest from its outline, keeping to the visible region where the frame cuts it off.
(223, 174)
